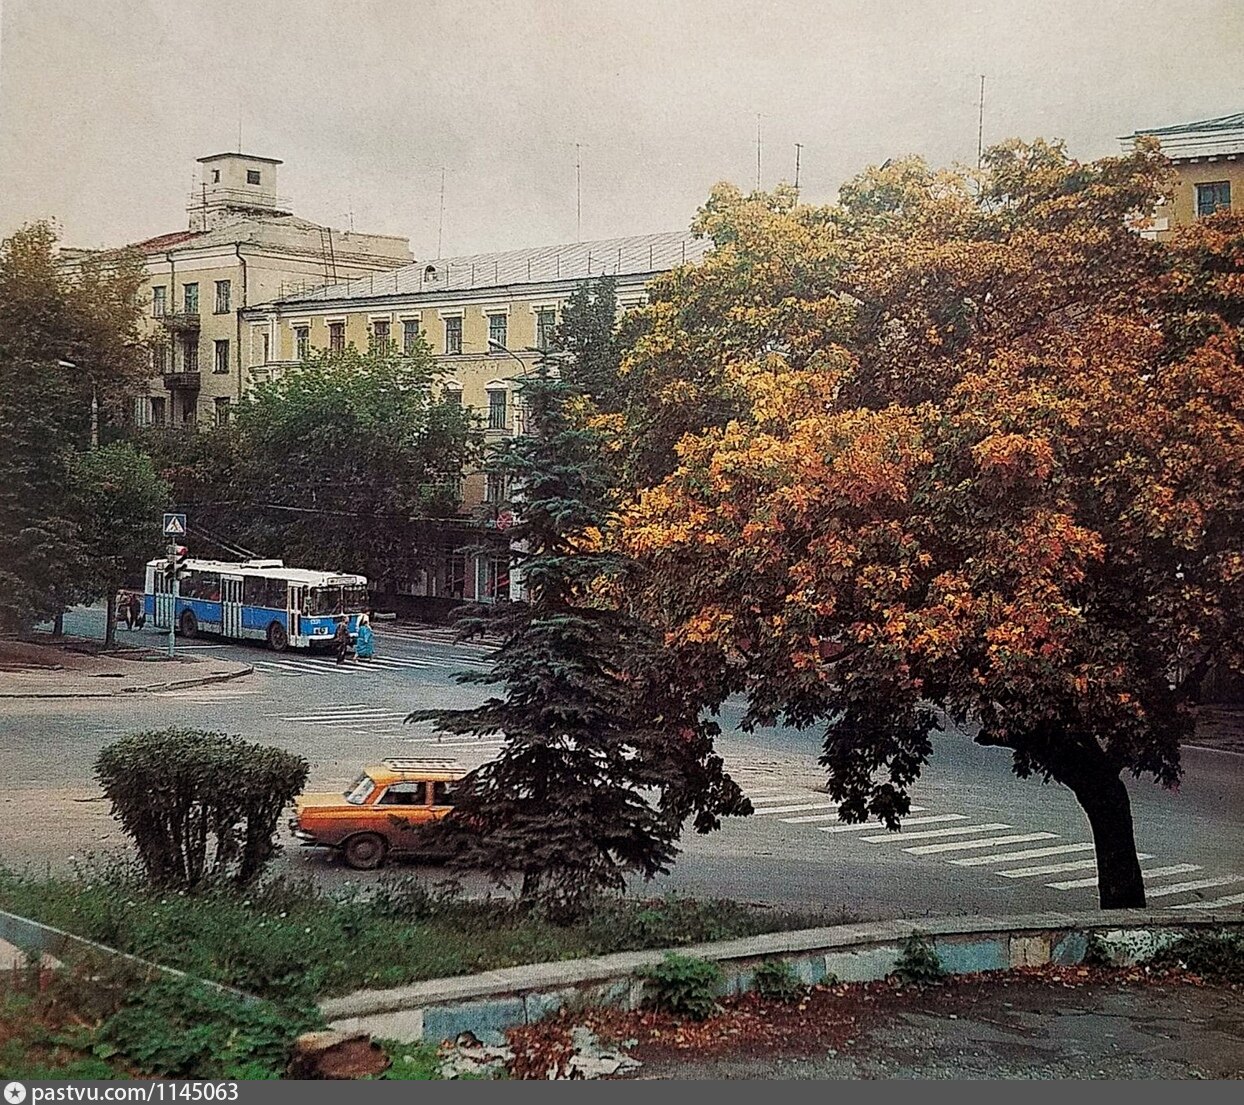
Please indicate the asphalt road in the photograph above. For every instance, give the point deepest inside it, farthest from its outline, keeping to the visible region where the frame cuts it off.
(982, 840)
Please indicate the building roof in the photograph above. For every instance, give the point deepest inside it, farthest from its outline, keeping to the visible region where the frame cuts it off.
(632, 256)
(244, 156)
(1206, 138)
(162, 242)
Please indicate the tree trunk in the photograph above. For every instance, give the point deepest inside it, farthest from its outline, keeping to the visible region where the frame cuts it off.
(110, 621)
(1104, 799)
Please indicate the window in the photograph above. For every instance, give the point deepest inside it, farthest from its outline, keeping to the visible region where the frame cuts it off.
(455, 576)
(224, 291)
(380, 333)
(221, 363)
(159, 358)
(453, 335)
(494, 489)
(201, 585)
(336, 337)
(159, 301)
(496, 330)
(215, 176)
(358, 791)
(252, 176)
(190, 297)
(410, 335)
(222, 411)
(261, 591)
(158, 409)
(443, 794)
(546, 323)
(497, 579)
(452, 395)
(188, 412)
(496, 409)
(403, 794)
(1215, 196)
(266, 342)
(190, 353)
(302, 342)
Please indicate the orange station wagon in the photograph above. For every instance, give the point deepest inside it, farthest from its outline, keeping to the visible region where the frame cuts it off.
(383, 811)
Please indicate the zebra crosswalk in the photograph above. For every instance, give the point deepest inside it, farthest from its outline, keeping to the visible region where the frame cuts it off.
(298, 666)
(379, 721)
(957, 838)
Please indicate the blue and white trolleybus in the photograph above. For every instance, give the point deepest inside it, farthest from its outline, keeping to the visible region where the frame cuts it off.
(259, 600)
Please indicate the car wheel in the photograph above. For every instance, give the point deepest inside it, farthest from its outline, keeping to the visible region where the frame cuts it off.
(189, 624)
(278, 639)
(365, 852)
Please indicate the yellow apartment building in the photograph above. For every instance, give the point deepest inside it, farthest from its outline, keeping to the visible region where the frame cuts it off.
(1208, 159)
(486, 318)
(242, 245)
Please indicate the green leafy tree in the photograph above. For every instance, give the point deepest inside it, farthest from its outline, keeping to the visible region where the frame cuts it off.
(347, 461)
(119, 500)
(588, 335)
(603, 760)
(70, 339)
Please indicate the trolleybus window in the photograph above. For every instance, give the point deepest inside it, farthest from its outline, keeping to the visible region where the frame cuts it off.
(336, 600)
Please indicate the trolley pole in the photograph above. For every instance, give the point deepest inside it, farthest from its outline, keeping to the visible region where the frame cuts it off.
(174, 587)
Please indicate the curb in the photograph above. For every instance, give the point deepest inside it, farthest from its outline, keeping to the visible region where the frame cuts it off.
(490, 1002)
(174, 685)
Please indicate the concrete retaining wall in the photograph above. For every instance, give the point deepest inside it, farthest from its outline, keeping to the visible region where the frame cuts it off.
(488, 1003)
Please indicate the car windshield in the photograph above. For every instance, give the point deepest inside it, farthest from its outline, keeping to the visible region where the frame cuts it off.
(356, 793)
(336, 600)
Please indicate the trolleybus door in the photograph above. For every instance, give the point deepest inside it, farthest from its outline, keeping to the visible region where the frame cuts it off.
(297, 596)
(231, 606)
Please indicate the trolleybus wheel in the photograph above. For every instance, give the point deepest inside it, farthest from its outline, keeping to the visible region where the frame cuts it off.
(189, 624)
(278, 639)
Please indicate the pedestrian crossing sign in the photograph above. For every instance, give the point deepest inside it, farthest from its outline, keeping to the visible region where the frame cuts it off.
(174, 525)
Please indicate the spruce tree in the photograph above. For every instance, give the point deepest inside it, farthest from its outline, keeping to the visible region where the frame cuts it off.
(605, 755)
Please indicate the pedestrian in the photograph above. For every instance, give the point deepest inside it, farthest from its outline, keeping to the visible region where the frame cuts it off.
(137, 613)
(124, 610)
(341, 639)
(365, 645)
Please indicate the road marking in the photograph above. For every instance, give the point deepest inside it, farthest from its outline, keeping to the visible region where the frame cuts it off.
(1234, 899)
(962, 830)
(1157, 872)
(796, 809)
(1029, 853)
(873, 824)
(1200, 884)
(812, 817)
(353, 717)
(961, 846)
(1057, 868)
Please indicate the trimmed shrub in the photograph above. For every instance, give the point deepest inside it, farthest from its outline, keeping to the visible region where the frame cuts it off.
(200, 807)
(918, 962)
(777, 980)
(684, 986)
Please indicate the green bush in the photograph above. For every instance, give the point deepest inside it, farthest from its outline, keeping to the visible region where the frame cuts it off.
(1216, 956)
(918, 962)
(684, 986)
(411, 1062)
(200, 807)
(777, 980)
(181, 1028)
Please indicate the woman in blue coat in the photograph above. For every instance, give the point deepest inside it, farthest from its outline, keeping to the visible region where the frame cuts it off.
(364, 643)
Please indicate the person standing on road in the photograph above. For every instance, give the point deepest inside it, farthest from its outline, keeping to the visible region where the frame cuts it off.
(365, 644)
(124, 609)
(341, 639)
(136, 616)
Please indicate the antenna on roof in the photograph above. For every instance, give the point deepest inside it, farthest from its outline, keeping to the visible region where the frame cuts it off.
(980, 126)
(758, 145)
(440, 230)
(578, 193)
(798, 151)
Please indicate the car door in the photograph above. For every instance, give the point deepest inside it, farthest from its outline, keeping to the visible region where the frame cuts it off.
(401, 811)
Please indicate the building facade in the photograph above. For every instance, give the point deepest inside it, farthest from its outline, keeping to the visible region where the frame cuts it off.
(1208, 159)
(242, 245)
(487, 318)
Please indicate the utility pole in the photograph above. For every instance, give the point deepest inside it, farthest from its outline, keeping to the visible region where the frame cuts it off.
(175, 587)
(758, 147)
(578, 193)
(440, 231)
(798, 151)
(980, 126)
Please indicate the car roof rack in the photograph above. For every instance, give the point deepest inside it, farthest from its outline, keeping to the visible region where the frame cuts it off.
(420, 763)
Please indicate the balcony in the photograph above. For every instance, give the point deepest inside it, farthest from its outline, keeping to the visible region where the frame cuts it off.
(180, 321)
(182, 381)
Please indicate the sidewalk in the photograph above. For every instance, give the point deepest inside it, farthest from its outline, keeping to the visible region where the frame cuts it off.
(72, 668)
(1031, 1024)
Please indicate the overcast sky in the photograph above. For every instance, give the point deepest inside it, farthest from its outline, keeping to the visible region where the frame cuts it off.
(105, 104)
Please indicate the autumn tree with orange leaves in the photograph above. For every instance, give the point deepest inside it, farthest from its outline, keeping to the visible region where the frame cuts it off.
(964, 443)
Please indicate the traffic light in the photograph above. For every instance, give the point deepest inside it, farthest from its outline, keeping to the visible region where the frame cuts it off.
(176, 568)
